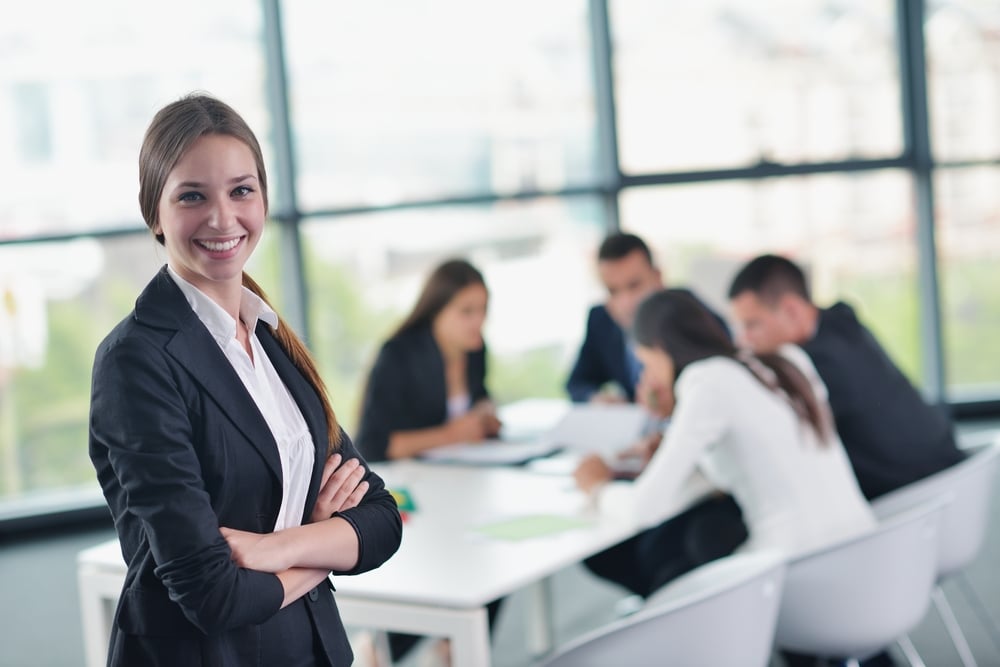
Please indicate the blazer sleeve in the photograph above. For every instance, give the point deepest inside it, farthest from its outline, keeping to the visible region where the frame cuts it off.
(384, 404)
(376, 519)
(588, 372)
(142, 422)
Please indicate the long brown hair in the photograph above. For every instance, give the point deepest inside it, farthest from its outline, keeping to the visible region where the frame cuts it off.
(447, 280)
(173, 130)
(680, 325)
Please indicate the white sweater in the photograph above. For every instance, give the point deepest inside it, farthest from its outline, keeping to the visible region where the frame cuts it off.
(796, 493)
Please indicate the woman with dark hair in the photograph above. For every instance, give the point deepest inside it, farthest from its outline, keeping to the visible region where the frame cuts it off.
(757, 427)
(234, 491)
(427, 386)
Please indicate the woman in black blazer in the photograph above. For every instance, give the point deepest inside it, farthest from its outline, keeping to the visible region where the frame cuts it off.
(427, 386)
(234, 491)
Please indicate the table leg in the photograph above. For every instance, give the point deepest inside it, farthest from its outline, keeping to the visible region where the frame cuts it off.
(99, 592)
(541, 636)
(468, 629)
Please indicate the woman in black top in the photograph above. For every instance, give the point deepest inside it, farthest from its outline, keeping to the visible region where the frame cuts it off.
(427, 387)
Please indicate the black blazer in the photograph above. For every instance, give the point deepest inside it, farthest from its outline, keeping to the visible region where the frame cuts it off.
(891, 435)
(602, 357)
(181, 449)
(407, 389)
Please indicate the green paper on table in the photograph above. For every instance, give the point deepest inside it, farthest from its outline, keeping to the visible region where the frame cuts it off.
(527, 527)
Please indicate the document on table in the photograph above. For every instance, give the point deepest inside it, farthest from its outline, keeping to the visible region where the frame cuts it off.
(490, 452)
(600, 428)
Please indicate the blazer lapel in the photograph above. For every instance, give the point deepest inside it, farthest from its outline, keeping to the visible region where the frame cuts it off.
(162, 304)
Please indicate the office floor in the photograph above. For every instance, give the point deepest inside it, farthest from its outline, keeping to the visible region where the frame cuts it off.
(41, 617)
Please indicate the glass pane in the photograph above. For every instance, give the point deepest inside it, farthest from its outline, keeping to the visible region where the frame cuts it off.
(963, 49)
(57, 302)
(538, 258)
(852, 233)
(969, 255)
(77, 93)
(725, 83)
(398, 100)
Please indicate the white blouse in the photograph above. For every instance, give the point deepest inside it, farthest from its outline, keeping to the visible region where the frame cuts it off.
(296, 448)
(796, 493)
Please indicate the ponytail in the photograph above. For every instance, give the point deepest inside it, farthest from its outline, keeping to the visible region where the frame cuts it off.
(779, 373)
(300, 356)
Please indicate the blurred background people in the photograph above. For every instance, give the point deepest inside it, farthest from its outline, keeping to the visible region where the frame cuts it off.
(892, 436)
(757, 427)
(427, 387)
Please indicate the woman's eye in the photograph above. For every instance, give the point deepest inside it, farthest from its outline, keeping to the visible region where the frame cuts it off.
(190, 197)
(242, 191)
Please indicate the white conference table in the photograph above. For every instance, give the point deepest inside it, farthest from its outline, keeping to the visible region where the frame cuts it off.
(446, 571)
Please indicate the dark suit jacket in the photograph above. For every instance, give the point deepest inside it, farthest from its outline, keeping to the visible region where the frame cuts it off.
(407, 389)
(181, 449)
(890, 434)
(602, 357)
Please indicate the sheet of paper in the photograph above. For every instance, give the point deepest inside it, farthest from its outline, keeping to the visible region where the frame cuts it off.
(531, 418)
(530, 526)
(601, 428)
(490, 452)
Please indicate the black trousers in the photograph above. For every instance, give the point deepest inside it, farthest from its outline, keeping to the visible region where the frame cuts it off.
(709, 530)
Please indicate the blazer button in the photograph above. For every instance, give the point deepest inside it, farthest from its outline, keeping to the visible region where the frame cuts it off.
(314, 595)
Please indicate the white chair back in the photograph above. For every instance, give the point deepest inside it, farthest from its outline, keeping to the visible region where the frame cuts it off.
(969, 484)
(721, 614)
(857, 597)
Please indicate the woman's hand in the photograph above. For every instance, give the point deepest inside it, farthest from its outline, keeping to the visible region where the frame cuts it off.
(341, 487)
(255, 551)
(592, 473)
(470, 427)
(488, 415)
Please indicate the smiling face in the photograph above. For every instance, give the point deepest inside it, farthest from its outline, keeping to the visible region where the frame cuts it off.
(211, 213)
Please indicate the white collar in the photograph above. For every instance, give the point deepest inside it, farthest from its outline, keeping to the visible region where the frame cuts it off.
(219, 323)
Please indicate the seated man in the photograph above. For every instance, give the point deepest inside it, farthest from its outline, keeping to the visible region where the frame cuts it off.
(891, 435)
(627, 270)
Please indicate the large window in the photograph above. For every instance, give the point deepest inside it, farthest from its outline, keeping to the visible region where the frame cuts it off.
(726, 83)
(397, 100)
(77, 93)
(57, 301)
(853, 234)
(538, 260)
(427, 129)
(963, 71)
(969, 249)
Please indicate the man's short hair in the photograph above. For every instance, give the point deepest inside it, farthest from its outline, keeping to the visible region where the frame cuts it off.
(770, 277)
(619, 246)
